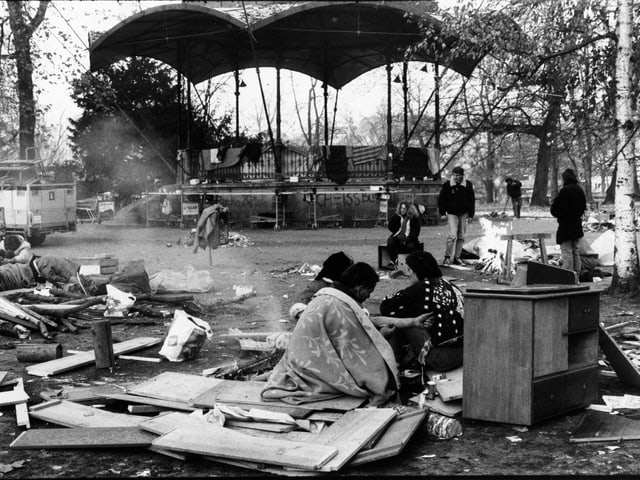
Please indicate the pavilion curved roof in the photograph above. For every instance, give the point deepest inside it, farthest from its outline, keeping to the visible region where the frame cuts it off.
(332, 41)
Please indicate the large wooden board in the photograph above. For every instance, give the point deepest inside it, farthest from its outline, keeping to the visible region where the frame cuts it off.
(175, 387)
(394, 438)
(77, 360)
(93, 437)
(70, 414)
(604, 427)
(626, 371)
(213, 440)
(248, 393)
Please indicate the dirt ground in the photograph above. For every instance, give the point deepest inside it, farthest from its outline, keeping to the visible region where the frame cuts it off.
(483, 449)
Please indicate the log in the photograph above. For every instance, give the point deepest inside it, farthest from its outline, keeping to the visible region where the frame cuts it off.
(103, 344)
(38, 352)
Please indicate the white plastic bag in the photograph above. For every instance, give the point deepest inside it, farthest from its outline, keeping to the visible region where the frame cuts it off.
(188, 281)
(185, 337)
(118, 302)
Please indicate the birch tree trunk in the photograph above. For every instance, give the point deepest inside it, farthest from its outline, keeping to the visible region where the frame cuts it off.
(625, 272)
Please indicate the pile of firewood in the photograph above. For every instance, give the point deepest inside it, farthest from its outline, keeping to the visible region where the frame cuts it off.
(492, 264)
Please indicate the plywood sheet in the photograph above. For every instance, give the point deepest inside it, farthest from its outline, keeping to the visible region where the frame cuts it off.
(175, 386)
(100, 437)
(248, 393)
(353, 431)
(394, 438)
(70, 414)
(123, 397)
(604, 427)
(626, 371)
(78, 360)
(222, 442)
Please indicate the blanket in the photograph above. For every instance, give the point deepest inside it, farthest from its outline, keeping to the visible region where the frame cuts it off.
(334, 350)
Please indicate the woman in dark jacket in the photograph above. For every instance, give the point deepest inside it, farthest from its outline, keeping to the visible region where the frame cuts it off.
(568, 207)
(404, 226)
(436, 341)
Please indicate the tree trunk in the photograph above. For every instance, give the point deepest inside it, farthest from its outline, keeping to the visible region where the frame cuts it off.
(626, 268)
(546, 149)
(22, 33)
(490, 164)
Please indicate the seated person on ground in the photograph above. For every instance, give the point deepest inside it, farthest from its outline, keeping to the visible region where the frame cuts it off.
(335, 349)
(332, 268)
(437, 344)
(404, 226)
(15, 249)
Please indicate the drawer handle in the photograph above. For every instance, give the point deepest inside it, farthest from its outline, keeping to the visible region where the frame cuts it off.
(587, 310)
(565, 333)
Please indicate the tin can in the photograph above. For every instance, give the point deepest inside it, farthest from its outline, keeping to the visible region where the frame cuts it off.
(430, 390)
(442, 427)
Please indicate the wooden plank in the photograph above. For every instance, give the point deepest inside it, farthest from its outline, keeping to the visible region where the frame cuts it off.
(123, 397)
(78, 360)
(95, 393)
(70, 414)
(449, 388)
(213, 440)
(22, 413)
(175, 387)
(3, 375)
(266, 426)
(248, 393)
(394, 438)
(626, 370)
(13, 397)
(604, 427)
(355, 429)
(100, 437)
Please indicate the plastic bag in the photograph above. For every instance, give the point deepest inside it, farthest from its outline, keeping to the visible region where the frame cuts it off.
(188, 281)
(185, 337)
(118, 302)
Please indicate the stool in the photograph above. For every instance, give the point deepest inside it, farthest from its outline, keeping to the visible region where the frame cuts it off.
(384, 259)
(524, 236)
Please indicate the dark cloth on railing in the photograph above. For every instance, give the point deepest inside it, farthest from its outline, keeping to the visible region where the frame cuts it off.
(252, 152)
(336, 165)
(414, 164)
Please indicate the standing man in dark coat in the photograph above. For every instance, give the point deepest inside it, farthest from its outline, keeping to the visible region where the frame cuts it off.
(514, 190)
(568, 207)
(457, 201)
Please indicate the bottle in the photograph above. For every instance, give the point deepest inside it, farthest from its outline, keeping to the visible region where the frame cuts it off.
(442, 427)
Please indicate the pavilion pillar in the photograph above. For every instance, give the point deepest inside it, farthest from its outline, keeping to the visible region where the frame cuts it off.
(405, 92)
(278, 112)
(436, 75)
(325, 92)
(389, 139)
(236, 75)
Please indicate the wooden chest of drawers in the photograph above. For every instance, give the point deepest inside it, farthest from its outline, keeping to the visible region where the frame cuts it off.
(529, 352)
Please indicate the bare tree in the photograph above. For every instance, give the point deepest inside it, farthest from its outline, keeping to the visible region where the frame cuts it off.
(626, 269)
(23, 25)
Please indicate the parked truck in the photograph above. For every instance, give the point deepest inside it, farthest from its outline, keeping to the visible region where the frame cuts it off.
(33, 205)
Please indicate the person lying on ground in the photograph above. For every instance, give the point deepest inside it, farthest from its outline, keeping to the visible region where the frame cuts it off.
(437, 343)
(56, 270)
(15, 249)
(332, 268)
(335, 349)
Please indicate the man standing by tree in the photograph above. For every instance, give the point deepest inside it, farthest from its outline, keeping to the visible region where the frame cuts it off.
(514, 190)
(568, 207)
